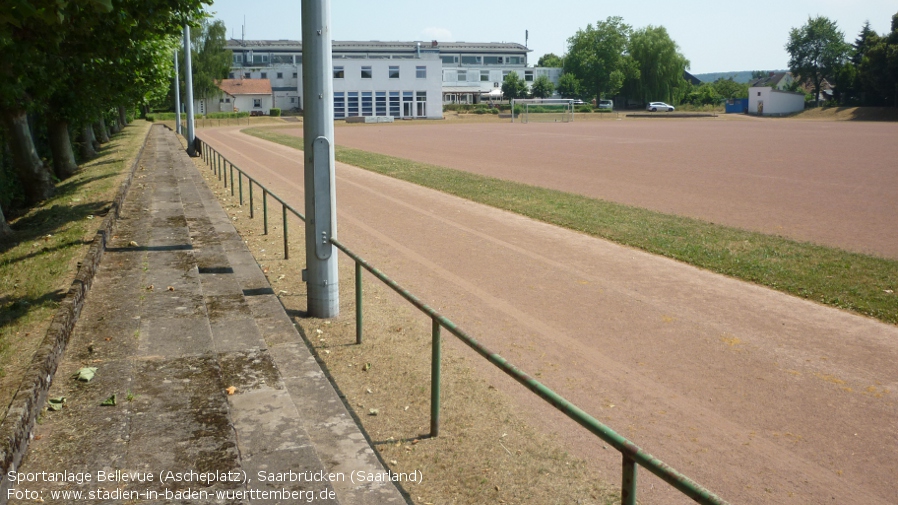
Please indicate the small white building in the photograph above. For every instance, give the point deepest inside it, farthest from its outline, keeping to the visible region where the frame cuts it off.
(765, 101)
(239, 95)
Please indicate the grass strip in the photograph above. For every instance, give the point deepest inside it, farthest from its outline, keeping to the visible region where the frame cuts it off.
(857, 282)
(38, 263)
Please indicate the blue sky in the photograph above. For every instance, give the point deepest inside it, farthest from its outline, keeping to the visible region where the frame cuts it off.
(714, 36)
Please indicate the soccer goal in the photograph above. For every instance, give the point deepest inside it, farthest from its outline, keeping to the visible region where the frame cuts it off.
(542, 110)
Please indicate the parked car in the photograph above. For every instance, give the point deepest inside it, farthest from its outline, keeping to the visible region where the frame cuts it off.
(579, 102)
(656, 106)
(606, 105)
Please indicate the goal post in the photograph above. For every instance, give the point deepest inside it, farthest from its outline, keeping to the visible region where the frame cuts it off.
(542, 110)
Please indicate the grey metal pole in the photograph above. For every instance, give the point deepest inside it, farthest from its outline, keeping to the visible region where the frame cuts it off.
(318, 160)
(177, 96)
(188, 75)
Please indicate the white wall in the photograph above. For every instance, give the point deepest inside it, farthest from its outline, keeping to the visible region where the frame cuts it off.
(244, 103)
(775, 101)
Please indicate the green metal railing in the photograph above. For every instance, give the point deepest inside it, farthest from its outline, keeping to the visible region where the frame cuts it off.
(632, 455)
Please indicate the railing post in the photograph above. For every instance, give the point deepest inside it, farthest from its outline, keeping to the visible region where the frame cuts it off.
(225, 177)
(435, 380)
(265, 210)
(358, 303)
(286, 250)
(628, 484)
(250, 198)
(240, 185)
(232, 177)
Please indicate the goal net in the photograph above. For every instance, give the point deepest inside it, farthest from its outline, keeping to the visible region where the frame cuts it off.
(542, 110)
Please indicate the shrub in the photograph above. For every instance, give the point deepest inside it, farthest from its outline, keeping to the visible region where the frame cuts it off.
(275, 112)
(494, 111)
(584, 108)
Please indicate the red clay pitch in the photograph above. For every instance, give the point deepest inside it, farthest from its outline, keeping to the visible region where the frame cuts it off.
(832, 183)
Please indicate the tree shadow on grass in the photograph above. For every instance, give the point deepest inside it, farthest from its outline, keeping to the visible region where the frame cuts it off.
(49, 220)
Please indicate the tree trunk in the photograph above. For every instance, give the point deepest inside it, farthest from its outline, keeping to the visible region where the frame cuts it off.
(88, 152)
(36, 179)
(122, 116)
(102, 131)
(64, 164)
(114, 127)
(5, 230)
(93, 139)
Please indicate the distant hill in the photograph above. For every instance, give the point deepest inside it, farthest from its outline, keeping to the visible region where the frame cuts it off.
(737, 75)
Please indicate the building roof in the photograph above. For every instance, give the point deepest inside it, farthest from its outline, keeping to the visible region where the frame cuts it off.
(772, 80)
(377, 45)
(236, 87)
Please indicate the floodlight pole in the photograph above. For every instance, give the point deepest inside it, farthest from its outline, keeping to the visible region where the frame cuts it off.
(318, 160)
(188, 78)
(177, 96)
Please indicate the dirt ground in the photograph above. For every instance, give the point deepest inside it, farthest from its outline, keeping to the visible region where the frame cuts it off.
(761, 397)
(832, 183)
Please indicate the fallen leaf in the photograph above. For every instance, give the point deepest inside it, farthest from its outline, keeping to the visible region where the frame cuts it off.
(108, 402)
(133, 244)
(55, 404)
(86, 374)
(231, 390)
(366, 367)
(171, 288)
(373, 412)
(150, 287)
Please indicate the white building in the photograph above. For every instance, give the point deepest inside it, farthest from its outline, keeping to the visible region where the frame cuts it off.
(398, 79)
(765, 101)
(239, 95)
(767, 95)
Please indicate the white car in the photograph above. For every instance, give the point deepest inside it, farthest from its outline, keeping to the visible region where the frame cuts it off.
(656, 106)
(606, 105)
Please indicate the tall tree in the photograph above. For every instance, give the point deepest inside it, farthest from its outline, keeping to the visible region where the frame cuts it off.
(817, 51)
(569, 86)
(878, 71)
(513, 86)
(211, 61)
(660, 65)
(597, 57)
(542, 87)
(550, 60)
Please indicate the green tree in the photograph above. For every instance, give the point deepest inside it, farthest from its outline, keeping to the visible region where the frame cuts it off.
(597, 57)
(660, 65)
(211, 61)
(550, 60)
(878, 71)
(569, 86)
(513, 86)
(817, 51)
(728, 88)
(542, 87)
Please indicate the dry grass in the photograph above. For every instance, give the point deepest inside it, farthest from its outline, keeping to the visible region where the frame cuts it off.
(39, 263)
(485, 452)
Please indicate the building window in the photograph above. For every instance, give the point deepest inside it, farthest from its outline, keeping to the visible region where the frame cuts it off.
(221, 100)
(231, 75)
(421, 72)
(260, 59)
(462, 76)
(227, 100)
(280, 75)
(238, 58)
(394, 103)
(257, 103)
(294, 75)
(282, 59)
(339, 105)
(338, 72)
(505, 74)
(366, 72)
(492, 60)
(394, 72)
(484, 76)
(292, 99)
(380, 103)
(528, 75)
(448, 60)
(367, 103)
(471, 60)
(408, 103)
(352, 101)
(247, 75)
(264, 75)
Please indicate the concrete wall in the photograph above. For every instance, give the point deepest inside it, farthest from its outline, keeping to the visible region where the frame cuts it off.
(775, 102)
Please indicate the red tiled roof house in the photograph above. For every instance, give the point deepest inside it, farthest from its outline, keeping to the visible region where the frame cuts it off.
(239, 95)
